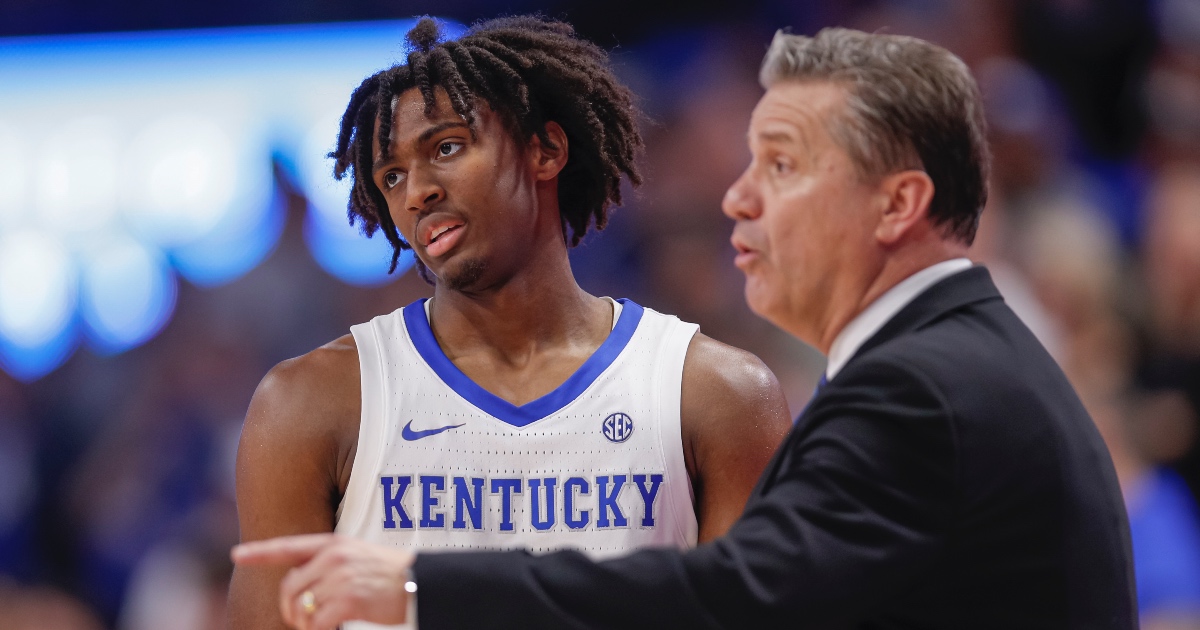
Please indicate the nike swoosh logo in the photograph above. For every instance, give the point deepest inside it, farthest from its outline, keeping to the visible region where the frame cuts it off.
(408, 434)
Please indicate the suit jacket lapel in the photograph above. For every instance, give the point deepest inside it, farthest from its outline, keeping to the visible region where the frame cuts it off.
(948, 295)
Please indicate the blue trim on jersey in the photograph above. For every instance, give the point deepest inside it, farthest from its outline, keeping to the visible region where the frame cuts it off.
(427, 346)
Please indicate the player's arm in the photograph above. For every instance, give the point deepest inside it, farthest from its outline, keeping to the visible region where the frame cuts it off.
(293, 463)
(733, 416)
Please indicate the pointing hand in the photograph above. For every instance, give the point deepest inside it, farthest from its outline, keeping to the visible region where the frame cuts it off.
(334, 579)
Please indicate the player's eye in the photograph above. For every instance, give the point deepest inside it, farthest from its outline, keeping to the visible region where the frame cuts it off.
(392, 179)
(781, 166)
(447, 149)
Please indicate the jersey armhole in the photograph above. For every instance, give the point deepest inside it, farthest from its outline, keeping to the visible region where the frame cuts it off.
(354, 504)
(670, 405)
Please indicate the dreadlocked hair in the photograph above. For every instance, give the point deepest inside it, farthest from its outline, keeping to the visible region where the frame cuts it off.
(529, 70)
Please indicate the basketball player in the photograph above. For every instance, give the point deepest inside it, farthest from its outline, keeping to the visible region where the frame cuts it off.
(512, 409)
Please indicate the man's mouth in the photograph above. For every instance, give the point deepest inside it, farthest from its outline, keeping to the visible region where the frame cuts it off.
(440, 231)
(441, 236)
(745, 254)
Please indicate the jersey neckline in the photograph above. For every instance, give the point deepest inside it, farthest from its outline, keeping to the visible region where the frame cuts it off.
(519, 416)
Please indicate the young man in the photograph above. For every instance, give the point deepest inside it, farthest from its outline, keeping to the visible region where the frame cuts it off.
(512, 409)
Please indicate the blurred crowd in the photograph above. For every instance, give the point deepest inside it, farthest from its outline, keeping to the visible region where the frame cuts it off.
(116, 473)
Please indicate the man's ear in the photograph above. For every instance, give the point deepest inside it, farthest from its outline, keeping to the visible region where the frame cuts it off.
(549, 160)
(906, 197)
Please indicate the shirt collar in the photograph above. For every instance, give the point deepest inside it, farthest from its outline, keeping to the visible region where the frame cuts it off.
(872, 318)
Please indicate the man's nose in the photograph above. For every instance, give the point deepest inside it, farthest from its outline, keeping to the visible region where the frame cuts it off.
(423, 191)
(741, 201)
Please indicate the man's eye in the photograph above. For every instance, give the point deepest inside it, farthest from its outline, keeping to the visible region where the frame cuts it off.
(781, 167)
(391, 180)
(449, 148)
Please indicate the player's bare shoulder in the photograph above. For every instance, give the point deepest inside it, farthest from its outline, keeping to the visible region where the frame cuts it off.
(722, 383)
(733, 415)
(305, 393)
(308, 406)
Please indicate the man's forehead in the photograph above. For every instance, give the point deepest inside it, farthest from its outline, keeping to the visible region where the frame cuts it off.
(791, 110)
(409, 116)
(411, 127)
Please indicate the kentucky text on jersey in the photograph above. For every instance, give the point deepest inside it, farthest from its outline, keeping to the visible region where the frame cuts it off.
(571, 503)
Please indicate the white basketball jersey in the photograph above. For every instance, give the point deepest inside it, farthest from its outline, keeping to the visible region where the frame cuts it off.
(596, 465)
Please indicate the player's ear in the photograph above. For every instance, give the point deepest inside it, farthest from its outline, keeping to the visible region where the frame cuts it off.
(904, 204)
(549, 158)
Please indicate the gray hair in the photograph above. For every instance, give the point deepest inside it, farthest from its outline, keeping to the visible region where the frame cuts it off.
(909, 105)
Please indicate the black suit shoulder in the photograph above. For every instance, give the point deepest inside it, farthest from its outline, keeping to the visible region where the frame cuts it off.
(1038, 517)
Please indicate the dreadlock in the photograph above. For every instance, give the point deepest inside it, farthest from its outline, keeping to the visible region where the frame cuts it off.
(530, 71)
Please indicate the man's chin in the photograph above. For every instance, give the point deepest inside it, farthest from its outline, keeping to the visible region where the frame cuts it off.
(757, 297)
(463, 275)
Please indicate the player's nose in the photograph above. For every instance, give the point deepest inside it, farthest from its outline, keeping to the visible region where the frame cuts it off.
(423, 191)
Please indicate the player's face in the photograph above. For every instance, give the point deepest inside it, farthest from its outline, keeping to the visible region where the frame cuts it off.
(801, 209)
(465, 202)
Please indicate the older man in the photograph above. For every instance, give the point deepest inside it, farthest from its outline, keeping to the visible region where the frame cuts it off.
(944, 476)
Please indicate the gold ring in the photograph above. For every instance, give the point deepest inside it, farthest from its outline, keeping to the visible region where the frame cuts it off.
(308, 602)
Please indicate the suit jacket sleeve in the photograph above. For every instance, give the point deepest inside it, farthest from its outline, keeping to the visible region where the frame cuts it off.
(854, 508)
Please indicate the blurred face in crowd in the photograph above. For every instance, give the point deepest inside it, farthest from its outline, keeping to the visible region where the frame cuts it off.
(1172, 257)
(805, 218)
(466, 202)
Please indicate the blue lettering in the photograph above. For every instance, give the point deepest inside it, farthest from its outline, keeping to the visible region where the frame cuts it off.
(464, 503)
(428, 501)
(539, 523)
(392, 502)
(608, 502)
(569, 488)
(648, 496)
(506, 487)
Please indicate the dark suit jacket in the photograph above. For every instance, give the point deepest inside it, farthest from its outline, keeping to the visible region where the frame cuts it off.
(948, 477)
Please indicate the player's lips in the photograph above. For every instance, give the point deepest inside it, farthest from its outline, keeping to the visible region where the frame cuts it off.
(439, 233)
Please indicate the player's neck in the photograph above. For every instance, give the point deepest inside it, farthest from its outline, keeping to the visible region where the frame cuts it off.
(537, 308)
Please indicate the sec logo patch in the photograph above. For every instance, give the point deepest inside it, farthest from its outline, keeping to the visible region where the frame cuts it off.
(617, 427)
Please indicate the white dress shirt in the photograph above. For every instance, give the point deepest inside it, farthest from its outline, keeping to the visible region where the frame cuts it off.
(883, 309)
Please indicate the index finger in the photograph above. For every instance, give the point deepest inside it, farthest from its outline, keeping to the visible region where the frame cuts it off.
(285, 550)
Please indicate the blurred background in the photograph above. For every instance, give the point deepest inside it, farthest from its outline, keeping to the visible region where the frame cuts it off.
(169, 230)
